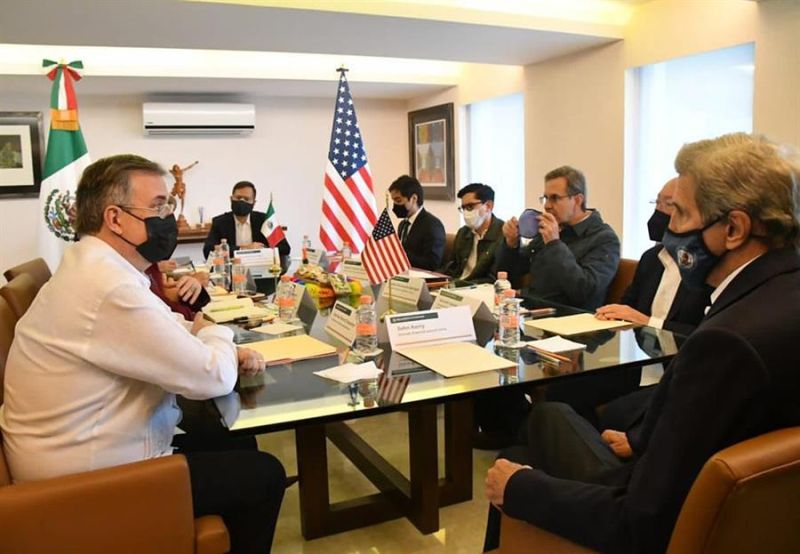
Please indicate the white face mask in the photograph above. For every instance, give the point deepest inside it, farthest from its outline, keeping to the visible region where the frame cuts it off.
(475, 218)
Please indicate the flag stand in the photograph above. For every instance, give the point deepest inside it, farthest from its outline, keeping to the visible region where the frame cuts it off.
(275, 269)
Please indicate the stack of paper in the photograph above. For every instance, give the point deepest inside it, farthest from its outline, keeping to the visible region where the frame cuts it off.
(349, 373)
(556, 344)
(290, 349)
(456, 358)
(277, 328)
(569, 325)
(230, 309)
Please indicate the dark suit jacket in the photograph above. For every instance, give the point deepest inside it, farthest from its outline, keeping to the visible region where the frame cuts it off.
(223, 227)
(424, 244)
(737, 376)
(687, 308)
(484, 270)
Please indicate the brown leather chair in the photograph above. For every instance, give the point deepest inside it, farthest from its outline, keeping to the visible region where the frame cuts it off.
(622, 280)
(37, 269)
(449, 241)
(7, 323)
(19, 293)
(744, 500)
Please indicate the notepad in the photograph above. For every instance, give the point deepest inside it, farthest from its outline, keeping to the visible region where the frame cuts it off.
(291, 349)
(556, 344)
(573, 324)
(455, 359)
(228, 310)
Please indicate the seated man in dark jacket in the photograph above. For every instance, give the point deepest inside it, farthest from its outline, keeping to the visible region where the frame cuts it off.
(574, 257)
(420, 232)
(656, 297)
(242, 227)
(735, 227)
(476, 242)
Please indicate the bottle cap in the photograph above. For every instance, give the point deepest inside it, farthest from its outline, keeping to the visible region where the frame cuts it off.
(509, 293)
(285, 278)
(502, 275)
(365, 299)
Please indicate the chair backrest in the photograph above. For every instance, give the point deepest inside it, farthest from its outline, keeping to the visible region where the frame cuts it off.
(8, 321)
(37, 269)
(622, 280)
(745, 499)
(19, 293)
(449, 241)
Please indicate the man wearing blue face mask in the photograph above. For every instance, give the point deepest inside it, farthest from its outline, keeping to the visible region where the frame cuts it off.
(242, 227)
(735, 227)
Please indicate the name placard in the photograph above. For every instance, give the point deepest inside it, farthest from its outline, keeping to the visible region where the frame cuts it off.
(342, 323)
(430, 327)
(451, 299)
(354, 269)
(316, 256)
(408, 290)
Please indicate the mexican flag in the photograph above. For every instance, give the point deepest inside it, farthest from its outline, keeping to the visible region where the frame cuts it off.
(65, 160)
(271, 229)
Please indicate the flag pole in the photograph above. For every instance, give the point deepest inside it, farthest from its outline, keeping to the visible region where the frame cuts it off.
(390, 311)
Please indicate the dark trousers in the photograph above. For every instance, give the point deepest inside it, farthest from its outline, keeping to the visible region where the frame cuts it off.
(562, 444)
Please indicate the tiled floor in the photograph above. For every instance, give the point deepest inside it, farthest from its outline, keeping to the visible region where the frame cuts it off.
(462, 525)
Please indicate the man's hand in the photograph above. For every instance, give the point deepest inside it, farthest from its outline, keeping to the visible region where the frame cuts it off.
(497, 479)
(548, 227)
(165, 266)
(511, 232)
(250, 361)
(618, 442)
(621, 311)
(188, 288)
(200, 323)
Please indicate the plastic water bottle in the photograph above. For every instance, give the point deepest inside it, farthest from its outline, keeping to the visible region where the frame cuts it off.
(366, 327)
(347, 252)
(306, 245)
(500, 286)
(509, 318)
(284, 298)
(225, 252)
(238, 277)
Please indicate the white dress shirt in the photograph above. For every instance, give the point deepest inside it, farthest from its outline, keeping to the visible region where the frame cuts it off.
(667, 289)
(727, 281)
(94, 367)
(244, 233)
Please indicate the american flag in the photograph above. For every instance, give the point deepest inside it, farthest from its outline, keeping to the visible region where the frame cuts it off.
(383, 256)
(348, 201)
(391, 389)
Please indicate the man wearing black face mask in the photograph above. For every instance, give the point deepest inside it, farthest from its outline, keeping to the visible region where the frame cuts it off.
(242, 227)
(735, 227)
(420, 232)
(656, 297)
(97, 360)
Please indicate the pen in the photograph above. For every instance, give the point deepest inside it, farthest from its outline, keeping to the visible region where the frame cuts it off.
(539, 312)
(549, 356)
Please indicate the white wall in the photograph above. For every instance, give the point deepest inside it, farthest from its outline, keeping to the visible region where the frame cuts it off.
(285, 156)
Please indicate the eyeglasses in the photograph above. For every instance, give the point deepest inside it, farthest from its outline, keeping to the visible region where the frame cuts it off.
(553, 198)
(469, 207)
(660, 203)
(163, 211)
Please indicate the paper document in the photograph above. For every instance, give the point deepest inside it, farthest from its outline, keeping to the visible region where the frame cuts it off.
(419, 274)
(277, 328)
(228, 310)
(290, 349)
(573, 324)
(556, 344)
(454, 359)
(349, 373)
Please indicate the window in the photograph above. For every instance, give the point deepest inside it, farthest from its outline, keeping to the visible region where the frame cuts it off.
(496, 151)
(672, 103)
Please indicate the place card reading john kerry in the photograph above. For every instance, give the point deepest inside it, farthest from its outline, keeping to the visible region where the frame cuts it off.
(430, 327)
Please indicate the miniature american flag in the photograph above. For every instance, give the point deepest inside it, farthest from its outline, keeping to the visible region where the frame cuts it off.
(383, 256)
(391, 389)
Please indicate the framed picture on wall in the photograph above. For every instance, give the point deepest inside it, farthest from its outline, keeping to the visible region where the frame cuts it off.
(20, 153)
(430, 146)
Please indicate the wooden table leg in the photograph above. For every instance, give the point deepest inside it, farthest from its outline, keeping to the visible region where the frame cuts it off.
(457, 486)
(424, 468)
(312, 467)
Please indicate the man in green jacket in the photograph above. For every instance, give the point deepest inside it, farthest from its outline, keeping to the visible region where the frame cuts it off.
(475, 243)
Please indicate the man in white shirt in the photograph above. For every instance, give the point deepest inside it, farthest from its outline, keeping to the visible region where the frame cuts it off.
(97, 360)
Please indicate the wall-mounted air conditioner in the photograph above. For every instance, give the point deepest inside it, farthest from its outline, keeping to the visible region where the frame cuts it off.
(160, 118)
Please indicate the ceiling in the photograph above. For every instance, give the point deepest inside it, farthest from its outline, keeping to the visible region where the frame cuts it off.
(455, 31)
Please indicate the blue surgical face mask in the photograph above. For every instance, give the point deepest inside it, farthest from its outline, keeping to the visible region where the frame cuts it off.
(695, 261)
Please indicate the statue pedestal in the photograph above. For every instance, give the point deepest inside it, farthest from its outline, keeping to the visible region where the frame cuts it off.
(182, 223)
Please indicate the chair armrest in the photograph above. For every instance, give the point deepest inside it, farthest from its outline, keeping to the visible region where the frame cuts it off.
(518, 537)
(211, 535)
(133, 508)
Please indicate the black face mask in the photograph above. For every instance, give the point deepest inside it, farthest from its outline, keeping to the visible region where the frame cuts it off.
(400, 211)
(657, 224)
(241, 208)
(162, 238)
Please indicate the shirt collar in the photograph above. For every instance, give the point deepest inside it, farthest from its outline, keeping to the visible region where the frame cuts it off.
(411, 218)
(91, 242)
(585, 224)
(236, 221)
(727, 281)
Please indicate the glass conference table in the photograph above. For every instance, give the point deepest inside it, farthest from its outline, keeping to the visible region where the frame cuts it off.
(290, 396)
